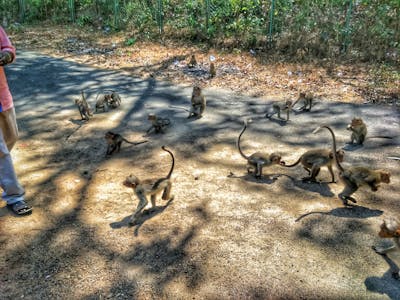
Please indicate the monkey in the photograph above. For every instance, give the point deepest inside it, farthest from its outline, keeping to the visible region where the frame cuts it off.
(307, 99)
(103, 102)
(390, 228)
(157, 123)
(313, 160)
(198, 102)
(278, 108)
(83, 107)
(114, 100)
(192, 63)
(258, 160)
(213, 72)
(114, 141)
(359, 132)
(356, 176)
(150, 187)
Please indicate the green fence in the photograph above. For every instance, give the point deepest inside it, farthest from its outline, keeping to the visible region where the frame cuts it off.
(369, 28)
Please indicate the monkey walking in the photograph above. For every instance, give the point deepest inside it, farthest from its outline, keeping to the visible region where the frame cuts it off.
(157, 123)
(359, 132)
(314, 160)
(356, 176)
(307, 99)
(258, 160)
(390, 228)
(198, 103)
(278, 108)
(150, 187)
(114, 141)
(83, 107)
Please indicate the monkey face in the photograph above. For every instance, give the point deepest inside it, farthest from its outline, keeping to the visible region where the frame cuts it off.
(276, 158)
(131, 181)
(340, 155)
(196, 90)
(356, 122)
(385, 177)
(151, 117)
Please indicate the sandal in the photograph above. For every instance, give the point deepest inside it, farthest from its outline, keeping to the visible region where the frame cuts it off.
(20, 208)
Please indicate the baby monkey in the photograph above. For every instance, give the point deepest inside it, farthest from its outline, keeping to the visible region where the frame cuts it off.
(192, 63)
(213, 72)
(307, 99)
(278, 108)
(103, 102)
(314, 160)
(150, 187)
(83, 107)
(198, 103)
(390, 228)
(114, 141)
(114, 99)
(356, 176)
(258, 160)
(157, 123)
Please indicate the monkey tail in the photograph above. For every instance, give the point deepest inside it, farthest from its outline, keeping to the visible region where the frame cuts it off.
(173, 161)
(238, 141)
(294, 164)
(333, 145)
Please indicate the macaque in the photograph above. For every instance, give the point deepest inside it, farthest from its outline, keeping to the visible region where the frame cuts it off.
(198, 103)
(314, 160)
(258, 160)
(114, 100)
(359, 132)
(390, 228)
(356, 176)
(307, 99)
(114, 141)
(278, 108)
(213, 72)
(150, 187)
(103, 102)
(192, 63)
(157, 123)
(83, 107)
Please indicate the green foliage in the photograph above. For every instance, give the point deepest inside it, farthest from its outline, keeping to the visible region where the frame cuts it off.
(314, 27)
(130, 41)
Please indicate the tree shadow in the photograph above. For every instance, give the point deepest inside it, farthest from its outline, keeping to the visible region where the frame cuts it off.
(144, 216)
(265, 178)
(386, 284)
(351, 211)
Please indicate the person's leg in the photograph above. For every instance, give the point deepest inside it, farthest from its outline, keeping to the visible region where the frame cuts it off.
(13, 193)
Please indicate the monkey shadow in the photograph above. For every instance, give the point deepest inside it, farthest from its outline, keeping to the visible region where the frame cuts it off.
(320, 187)
(276, 120)
(387, 284)
(144, 216)
(350, 211)
(192, 119)
(78, 121)
(265, 179)
(352, 147)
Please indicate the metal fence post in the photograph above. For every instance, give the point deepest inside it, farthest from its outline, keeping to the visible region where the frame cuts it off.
(21, 10)
(116, 14)
(71, 5)
(160, 20)
(207, 2)
(347, 29)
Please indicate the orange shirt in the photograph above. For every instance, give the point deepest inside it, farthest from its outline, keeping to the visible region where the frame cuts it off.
(6, 100)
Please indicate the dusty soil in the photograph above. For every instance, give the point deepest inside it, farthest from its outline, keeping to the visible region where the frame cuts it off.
(225, 234)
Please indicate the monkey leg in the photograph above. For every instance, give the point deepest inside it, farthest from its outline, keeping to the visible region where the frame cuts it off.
(258, 173)
(167, 191)
(142, 204)
(307, 169)
(348, 190)
(332, 174)
(313, 174)
(287, 114)
(383, 250)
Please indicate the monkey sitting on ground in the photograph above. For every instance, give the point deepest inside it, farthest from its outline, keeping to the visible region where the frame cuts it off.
(192, 63)
(356, 176)
(114, 100)
(278, 108)
(102, 102)
(390, 228)
(359, 132)
(198, 103)
(150, 187)
(258, 160)
(314, 160)
(157, 123)
(114, 141)
(307, 99)
(83, 107)
(213, 72)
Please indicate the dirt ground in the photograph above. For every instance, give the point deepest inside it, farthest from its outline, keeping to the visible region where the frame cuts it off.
(225, 235)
